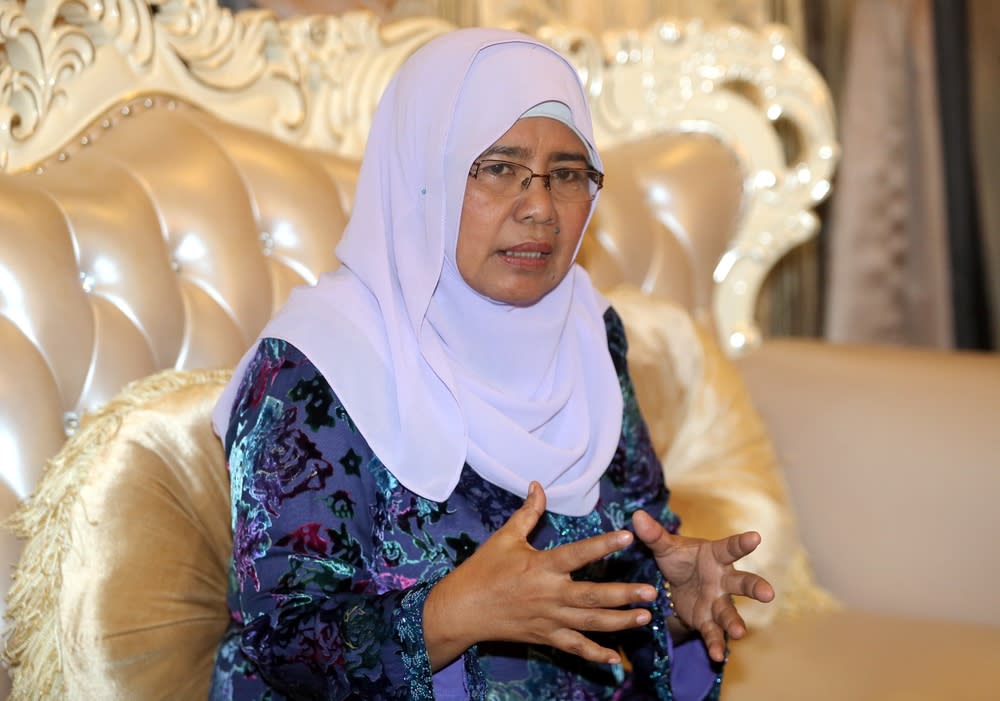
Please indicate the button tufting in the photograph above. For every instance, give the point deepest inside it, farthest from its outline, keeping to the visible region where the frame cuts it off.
(266, 242)
(71, 423)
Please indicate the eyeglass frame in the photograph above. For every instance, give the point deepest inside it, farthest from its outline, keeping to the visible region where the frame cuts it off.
(546, 177)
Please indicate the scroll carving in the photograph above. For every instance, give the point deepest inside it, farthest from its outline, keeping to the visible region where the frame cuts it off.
(738, 85)
(312, 81)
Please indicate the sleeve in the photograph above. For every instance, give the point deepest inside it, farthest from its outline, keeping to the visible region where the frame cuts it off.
(682, 672)
(317, 622)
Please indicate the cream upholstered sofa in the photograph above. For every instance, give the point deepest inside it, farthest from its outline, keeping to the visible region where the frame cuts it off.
(172, 171)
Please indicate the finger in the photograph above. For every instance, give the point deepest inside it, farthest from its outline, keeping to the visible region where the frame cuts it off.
(652, 533)
(728, 550)
(728, 617)
(606, 620)
(715, 641)
(572, 556)
(594, 595)
(524, 520)
(748, 584)
(580, 645)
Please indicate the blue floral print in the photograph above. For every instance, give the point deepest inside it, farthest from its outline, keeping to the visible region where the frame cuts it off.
(333, 559)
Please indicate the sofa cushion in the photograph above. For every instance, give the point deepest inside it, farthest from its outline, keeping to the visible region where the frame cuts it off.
(895, 448)
(864, 657)
(722, 471)
(121, 590)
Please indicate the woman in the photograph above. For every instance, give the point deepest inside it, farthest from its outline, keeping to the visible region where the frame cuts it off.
(442, 486)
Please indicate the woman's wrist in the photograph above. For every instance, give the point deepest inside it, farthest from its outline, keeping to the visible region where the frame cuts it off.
(678, 629)
(444, 633)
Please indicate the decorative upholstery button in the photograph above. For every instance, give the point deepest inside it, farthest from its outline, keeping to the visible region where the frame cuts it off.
(175, 265)
(266, 242)
(126, 111)
(71, 422)
(87, 282)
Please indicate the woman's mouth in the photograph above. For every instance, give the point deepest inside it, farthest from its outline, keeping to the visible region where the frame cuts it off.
(527, 255)
(524, 254)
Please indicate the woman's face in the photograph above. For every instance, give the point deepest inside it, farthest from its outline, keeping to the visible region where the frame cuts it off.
(517, 249)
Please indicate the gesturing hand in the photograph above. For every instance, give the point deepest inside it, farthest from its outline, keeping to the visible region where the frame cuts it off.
(702, 579)
(508, 590)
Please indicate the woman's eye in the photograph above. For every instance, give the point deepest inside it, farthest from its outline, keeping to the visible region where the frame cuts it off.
(570, 176)
(497, 170)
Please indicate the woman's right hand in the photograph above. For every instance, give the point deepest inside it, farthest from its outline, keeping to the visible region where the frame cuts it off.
(507, 590)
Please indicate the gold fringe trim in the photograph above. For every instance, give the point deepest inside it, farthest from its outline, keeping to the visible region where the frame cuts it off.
(32, 649)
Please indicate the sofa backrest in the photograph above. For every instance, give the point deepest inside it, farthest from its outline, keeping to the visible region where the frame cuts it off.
(171, 174)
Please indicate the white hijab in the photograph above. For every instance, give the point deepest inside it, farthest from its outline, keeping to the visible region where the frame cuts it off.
(433, 374)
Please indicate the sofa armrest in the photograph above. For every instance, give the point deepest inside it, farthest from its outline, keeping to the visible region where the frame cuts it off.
(892, 461)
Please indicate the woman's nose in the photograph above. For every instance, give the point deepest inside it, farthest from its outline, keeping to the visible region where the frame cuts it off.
(535, 202)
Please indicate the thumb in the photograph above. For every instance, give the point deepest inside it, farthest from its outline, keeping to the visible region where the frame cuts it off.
(524, 520)
(652, 533)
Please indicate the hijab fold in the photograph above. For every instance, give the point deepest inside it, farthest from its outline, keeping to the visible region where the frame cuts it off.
(433, 374)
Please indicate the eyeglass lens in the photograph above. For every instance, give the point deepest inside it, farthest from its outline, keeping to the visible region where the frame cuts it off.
(510, 179)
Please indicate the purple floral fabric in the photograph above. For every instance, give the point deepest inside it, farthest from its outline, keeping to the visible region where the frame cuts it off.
(333, 558)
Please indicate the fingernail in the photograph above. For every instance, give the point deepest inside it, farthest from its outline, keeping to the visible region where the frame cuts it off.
(647, 593)
(624, 538)
(532, 488)
(614, 659)
(642, 618)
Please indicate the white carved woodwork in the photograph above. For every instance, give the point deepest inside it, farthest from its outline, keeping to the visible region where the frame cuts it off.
(314, 82)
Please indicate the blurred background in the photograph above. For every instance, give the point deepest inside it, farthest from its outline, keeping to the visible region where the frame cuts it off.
(909, 251)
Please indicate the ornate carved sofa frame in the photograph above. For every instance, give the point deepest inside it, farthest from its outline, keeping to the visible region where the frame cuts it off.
(173, 170)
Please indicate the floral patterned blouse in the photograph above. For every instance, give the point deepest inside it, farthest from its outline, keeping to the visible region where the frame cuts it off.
(333, 559)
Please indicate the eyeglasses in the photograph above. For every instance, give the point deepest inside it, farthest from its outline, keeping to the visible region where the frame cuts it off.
(505, 179)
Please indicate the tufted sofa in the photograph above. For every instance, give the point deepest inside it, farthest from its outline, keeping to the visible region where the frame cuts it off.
(172, 171)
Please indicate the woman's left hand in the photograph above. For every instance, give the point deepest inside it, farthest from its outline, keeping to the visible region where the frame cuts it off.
(702, 579)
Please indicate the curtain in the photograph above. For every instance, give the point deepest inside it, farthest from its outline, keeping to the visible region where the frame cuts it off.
(971, 323)
(888, 275)
(984, 74)
(912, 246)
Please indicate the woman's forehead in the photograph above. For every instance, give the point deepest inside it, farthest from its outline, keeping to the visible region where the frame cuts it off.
(532, 136)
